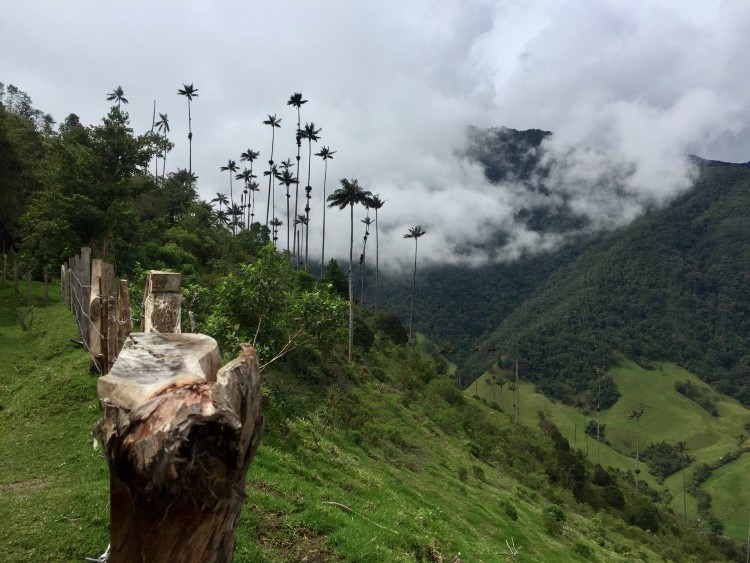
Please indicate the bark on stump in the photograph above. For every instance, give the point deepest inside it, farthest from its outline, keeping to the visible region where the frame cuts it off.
(179, 432)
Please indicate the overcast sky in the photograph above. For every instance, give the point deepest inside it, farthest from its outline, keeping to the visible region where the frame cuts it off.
(631, 83)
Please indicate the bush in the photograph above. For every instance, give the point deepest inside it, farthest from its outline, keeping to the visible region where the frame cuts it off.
(390, 325)
(25, 318)
(698, 394)
(510, 510)
(663, 459)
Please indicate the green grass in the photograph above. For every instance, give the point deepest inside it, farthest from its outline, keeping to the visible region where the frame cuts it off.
(667, 416)
(729, 487)
(397, 482)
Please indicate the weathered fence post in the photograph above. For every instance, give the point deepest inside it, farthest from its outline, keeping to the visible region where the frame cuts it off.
(124, 320)
(162, 303)
(179, 434)
(64, 284)
(101, 345)
(83, 287)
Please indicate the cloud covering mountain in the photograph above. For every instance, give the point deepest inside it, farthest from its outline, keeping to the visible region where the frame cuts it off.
(626, 86)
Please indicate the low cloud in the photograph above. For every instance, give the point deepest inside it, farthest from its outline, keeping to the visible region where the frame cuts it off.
(629, 89)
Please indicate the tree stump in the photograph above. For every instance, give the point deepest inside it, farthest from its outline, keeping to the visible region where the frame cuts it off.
(179, 433)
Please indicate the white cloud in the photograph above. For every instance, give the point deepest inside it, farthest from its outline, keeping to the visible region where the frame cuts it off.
(635, 84)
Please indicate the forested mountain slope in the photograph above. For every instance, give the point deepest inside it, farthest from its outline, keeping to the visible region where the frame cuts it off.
(673, 285)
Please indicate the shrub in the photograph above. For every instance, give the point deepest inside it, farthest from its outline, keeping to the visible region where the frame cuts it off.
(510, 510)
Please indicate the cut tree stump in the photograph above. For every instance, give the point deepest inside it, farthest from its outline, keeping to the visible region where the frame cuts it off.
(179, 433)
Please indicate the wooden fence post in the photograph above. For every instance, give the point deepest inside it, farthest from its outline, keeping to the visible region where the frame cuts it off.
(179, 434)
(84, 289)
(125, 322)
(101, 344)
(162, 303)
(64, 284)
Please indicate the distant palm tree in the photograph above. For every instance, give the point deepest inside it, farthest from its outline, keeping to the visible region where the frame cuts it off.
(415, 233)
(189, 92)
(311, 134)
(221, 199)
(275, 124)
(636, 414)
(376, 203)
(231, 167)
(287, 179)
(246, 175)
(276, 223)
(349, 194)
(249, 156)
(296, 101)
(253, 187)
(117, 95)
(326, 154)
(367, 221)
(221, 217)
(163, 125)
(682, 451)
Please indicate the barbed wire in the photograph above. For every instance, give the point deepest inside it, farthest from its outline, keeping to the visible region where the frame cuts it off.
(78, 309)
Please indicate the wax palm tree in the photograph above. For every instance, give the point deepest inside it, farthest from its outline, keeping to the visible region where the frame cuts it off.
(231, 167)
(190, 92)
(246, 176)
(250, 156)
(367, 221)
(287, 179)
(311, 134)
(221, 199)
(415, 233)
(349, 194)
(117, 95)
(326, 154)
(276, 223)
(221, 217)
(376, 203)
(682, 451)
(636, 415)
(163, 125)
(275, 124)
(253, 187)
(295, 100)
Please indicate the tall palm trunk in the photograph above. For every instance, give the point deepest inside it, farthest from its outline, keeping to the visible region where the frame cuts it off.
(377, 259)
(164, 163)
(231, 198)
(270, 174)
(517, 406)
(296, 249)
(413, 291)
(323, 245)
(156, 154)
(308, 190)
(190, 140)
(351, 285)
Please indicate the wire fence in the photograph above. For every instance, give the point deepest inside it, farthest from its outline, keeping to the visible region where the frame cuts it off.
(102, 307)
(102, 314)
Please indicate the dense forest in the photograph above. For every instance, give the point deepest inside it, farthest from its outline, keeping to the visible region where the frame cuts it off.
(673, 285)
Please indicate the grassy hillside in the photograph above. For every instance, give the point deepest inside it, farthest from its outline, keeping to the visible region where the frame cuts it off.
(385, 462)
(668, 416)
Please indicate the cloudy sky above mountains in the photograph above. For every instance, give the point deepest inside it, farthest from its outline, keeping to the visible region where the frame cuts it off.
(631, 83)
